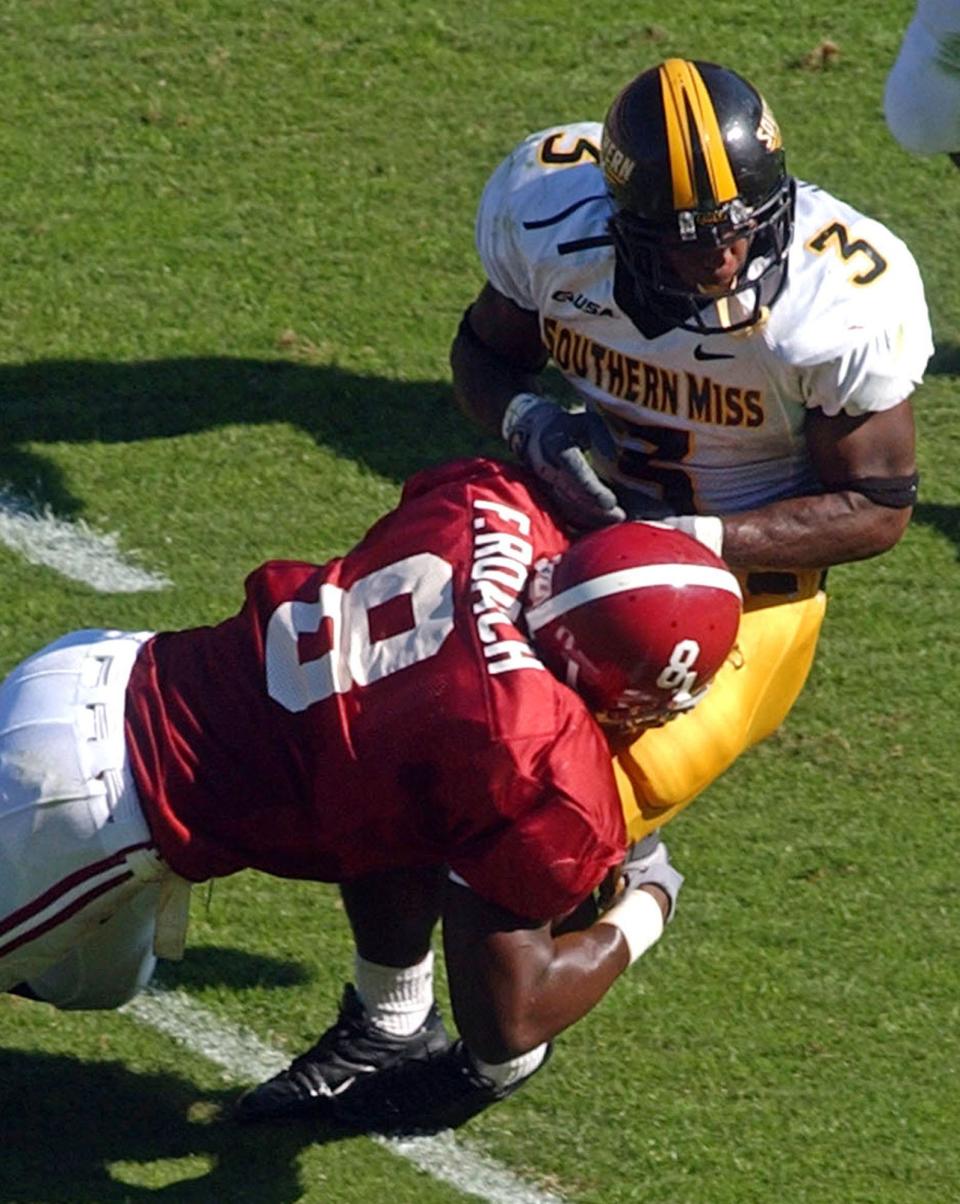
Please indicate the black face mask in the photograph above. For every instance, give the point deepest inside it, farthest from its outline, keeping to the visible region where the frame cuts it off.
(656, 300)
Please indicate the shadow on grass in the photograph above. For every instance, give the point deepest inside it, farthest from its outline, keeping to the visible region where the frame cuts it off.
(945, 361)
(394, 427)
(945, 519)
(78, 1132)
(216, 965)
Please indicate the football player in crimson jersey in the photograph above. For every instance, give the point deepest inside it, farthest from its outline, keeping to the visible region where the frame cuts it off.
(921, 99)
(744, 345)
(426, 721)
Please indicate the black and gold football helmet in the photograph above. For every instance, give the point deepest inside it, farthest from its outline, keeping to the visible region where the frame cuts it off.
(692, 157)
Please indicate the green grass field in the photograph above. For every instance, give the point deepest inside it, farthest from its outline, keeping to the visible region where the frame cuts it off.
(236, 240)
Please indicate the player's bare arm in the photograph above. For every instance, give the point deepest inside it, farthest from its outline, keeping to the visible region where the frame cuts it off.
(867, 465)
(513, 984)
(496, 354)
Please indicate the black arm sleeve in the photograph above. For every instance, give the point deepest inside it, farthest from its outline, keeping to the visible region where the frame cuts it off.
(898, 493)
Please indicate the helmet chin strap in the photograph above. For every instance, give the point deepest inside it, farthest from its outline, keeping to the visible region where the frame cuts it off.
(719, 290)
(723, 311)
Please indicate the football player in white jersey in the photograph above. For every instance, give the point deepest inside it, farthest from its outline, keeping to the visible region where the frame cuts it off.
(921, 98)
(744, 346)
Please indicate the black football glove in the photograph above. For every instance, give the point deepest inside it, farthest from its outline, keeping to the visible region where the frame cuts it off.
(551, 440)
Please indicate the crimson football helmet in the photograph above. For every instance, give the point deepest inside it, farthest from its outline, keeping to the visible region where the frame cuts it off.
(637, 618)
(693, 158)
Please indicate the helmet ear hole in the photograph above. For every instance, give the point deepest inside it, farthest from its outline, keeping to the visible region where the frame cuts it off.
(637, 619)
(693, 158)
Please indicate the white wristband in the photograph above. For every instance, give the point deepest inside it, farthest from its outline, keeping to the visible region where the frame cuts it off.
(707, 528)
(639, 918)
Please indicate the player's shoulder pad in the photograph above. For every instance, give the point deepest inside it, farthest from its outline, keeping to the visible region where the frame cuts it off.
(555, 148)
(851, 280)
(547, 195)
(547, 171)
(850, 257)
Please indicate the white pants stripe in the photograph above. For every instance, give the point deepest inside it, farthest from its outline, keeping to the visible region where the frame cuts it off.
(62, 901)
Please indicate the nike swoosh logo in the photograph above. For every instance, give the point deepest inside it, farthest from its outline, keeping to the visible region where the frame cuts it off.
(699, 353)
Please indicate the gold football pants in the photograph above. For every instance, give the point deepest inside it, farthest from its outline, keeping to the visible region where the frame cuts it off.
(666, 768)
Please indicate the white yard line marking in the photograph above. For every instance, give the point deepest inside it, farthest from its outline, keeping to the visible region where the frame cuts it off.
(247, 1058)
(73, 549)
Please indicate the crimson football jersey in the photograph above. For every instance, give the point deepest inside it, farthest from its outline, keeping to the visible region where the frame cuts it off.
(384, 710)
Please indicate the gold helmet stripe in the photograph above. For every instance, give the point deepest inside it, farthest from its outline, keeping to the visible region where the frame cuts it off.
(692, 126)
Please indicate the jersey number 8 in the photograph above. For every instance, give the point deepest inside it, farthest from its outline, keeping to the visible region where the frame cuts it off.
(679, 674)
(354, 656)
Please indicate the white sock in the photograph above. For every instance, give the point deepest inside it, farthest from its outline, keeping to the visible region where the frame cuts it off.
(396, 999)
(505, 1074)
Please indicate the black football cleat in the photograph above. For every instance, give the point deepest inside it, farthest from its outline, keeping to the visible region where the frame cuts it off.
(419, 1099)
(352, 1050)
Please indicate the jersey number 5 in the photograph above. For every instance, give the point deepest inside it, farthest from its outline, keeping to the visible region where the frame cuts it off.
(355, 656)
(559, 150)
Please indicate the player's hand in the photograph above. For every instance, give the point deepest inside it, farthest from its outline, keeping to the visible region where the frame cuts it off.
(551, 440)
(647, 863)
(705, 528)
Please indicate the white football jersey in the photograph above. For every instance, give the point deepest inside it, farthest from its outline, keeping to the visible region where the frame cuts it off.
(693, 422)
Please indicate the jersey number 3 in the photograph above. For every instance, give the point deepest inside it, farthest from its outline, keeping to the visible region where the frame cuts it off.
(837, 236)
(357, 654)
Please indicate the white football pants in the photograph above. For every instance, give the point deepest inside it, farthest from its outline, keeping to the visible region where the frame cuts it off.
(79, 881)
